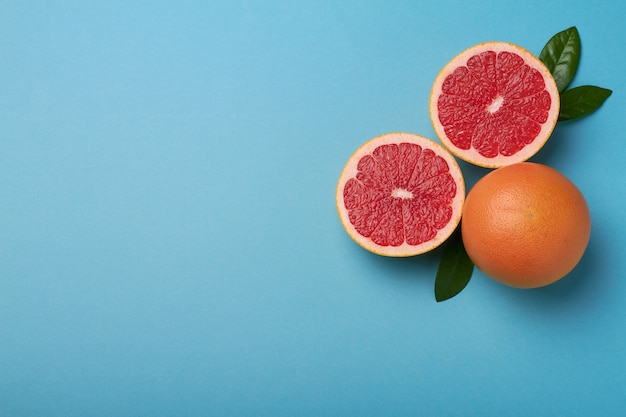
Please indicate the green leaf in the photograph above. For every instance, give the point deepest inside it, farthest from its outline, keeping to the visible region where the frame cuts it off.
(455, 269)
(561, 55)
(581, 101)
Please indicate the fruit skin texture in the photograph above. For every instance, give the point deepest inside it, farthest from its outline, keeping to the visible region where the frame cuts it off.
(422, 183)
(494, 104)
(525, 225)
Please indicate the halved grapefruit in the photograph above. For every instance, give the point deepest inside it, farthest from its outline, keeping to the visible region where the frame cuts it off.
(494, 104)
(400, 194)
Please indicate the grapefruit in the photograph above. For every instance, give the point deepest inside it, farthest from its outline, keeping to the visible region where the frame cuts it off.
(494, 104)
(525, 225)
(400, 194)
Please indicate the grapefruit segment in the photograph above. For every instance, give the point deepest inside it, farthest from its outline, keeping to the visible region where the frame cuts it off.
(494, 104)
(400, 194)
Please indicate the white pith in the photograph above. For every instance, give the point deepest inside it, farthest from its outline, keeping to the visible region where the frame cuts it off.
(495, 105)
(402, 193)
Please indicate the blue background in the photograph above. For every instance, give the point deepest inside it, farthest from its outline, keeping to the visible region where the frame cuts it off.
(169, 240)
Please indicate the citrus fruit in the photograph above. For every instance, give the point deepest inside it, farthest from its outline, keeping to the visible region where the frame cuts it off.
(400, 194)
(525, 225)
(494, 104)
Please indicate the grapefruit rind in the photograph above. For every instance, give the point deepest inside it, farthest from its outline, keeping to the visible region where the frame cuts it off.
(471, 155)
(405, 249)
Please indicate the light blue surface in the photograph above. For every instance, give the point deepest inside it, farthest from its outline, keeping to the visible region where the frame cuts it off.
(170, 244)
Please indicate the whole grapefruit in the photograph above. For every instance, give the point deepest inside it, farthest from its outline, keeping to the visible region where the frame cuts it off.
(525, 225)
(400, 194)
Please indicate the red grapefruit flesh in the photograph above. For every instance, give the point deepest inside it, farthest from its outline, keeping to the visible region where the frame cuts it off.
(494, 104)
(400, 194)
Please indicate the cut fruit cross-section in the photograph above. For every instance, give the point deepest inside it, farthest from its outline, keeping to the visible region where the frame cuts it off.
(494, 104)
(400, 194)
